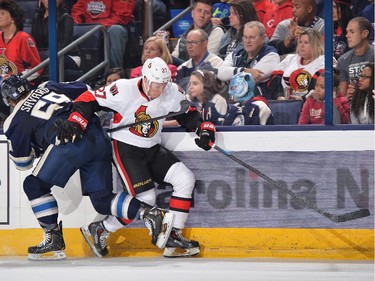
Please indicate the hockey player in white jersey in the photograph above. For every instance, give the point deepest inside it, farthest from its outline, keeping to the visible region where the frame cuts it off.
(137, 153)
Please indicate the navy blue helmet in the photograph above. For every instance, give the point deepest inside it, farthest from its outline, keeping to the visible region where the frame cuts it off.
(14, 87)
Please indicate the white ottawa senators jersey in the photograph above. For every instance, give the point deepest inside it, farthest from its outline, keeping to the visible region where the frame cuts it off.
(130, 105)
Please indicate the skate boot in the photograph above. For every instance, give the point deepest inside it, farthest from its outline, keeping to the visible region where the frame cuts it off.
(179, 246)
(159, 222)
(51, 248)
(96, 236)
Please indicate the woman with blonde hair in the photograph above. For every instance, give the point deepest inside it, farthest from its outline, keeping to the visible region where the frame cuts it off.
(155, 47)
(296, 75)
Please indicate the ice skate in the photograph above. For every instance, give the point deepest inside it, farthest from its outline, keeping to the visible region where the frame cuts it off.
(96, 236)
(159, 222)
(51, 248)
(179, 246)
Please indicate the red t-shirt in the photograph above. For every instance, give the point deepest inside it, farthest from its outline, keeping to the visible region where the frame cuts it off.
(276, 15)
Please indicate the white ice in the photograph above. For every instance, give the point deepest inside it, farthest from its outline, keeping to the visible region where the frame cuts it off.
(185, 269)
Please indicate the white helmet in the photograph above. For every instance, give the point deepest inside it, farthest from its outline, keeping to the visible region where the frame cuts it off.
(156, 70)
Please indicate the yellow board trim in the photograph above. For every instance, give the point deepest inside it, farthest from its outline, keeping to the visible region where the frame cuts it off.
(342, 244)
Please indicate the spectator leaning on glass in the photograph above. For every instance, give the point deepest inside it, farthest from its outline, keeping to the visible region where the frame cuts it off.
(113, 14)
(248, 109)
(201, 14)
(19, 53)
(256, 58)
(204, 93)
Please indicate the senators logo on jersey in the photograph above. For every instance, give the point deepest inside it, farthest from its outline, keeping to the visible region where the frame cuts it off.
(300, 80)
(146, 129)
(6, 67)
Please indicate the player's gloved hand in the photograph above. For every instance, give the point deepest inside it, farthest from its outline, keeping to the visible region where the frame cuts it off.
(71, 129)
(206, 134)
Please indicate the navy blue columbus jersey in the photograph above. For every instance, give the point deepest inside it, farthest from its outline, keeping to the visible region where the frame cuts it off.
(30, 127)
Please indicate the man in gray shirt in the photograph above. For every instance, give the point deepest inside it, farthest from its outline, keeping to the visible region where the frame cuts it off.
(352, 62)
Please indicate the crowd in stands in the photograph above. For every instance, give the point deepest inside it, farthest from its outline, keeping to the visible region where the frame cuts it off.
(234, 59)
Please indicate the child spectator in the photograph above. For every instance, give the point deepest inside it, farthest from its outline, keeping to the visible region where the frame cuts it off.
(362, 103)
(313, 110)
(204, 93)
(248, 110)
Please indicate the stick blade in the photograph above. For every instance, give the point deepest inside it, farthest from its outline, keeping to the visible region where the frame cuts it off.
(361, 213)
(185, 104)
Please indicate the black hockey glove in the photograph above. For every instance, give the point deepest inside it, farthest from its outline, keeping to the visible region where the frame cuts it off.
(70, 130)
(206, 134)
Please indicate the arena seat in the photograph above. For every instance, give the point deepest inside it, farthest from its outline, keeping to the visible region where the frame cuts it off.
(30, 7)
(91, 50)
(285, 112)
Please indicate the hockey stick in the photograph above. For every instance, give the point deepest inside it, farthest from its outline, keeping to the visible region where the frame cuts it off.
(184, 108)
(335, 218)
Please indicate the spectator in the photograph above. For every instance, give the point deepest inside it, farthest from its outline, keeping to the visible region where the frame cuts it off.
(220, 14)
(204, 93)
(342, 14)
(200, 57)
(362, 103)
(257, 58)
(113, 14)
(261, 7)
(112, 75)
(296, 74)
(285, 37)
(241, 12)
(19, 53)
(201, 14)
(368, 13)
(65, 24)
(249, 110)
(155, 47)
(358, 6)
(313, 110)
(352, 62)
(281, 10)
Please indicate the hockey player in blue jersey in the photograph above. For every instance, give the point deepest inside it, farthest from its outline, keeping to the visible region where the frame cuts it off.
(31, 130)
(248, 109)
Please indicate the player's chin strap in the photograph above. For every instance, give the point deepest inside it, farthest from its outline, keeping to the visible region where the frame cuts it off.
(184, 108)
(335, 218)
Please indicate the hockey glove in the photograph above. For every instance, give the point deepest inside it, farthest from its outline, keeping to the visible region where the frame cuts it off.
(206, 134)
(71, 129)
